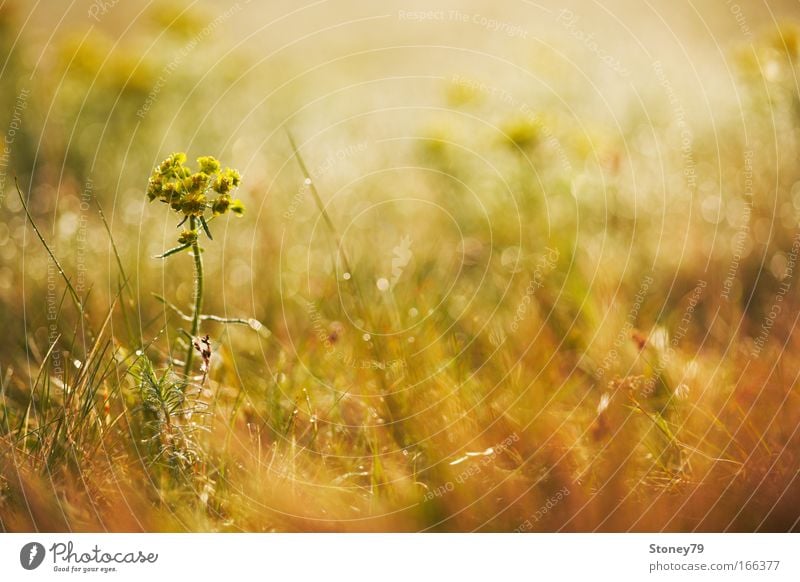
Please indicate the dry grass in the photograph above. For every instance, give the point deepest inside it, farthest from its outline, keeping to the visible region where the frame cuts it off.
(558, 345)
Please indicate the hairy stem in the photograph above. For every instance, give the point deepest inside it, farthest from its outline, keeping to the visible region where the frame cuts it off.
(198, 299)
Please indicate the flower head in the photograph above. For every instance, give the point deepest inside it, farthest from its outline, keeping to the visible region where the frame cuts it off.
(221, 204)
(237, 207)
(188, 236)
(226, 181)
(193, 204)
(208, 164)
(188, 193)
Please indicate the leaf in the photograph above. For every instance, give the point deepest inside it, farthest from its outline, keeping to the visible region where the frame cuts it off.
(173, 251)
(205, 227)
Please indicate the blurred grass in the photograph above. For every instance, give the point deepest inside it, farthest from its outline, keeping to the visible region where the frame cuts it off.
(516, 352)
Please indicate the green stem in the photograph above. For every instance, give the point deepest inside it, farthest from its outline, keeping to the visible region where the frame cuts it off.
(198, 299)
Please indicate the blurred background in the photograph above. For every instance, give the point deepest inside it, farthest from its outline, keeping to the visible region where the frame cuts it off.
(541, 268)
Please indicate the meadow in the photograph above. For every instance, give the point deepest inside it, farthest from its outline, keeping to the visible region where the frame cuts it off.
(499, 281)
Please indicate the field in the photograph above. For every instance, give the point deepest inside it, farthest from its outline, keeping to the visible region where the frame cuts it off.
(478, 268)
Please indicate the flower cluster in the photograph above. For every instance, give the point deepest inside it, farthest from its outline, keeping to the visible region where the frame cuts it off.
(192, 193)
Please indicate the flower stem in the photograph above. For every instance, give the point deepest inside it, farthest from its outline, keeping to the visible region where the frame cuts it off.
(198, 299)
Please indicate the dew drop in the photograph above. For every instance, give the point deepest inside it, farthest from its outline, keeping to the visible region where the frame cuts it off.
(382, 284)
(346, 276)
